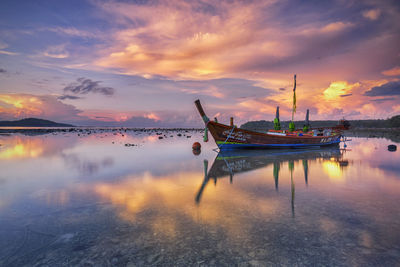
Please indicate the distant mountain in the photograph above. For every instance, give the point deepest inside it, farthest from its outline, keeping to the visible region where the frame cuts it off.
(33, 122)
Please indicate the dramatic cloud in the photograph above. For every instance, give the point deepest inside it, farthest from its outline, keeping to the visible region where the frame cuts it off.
(340, 88)
(17, 106)
(84, 86)
(216, 39)
(387, 89)
(237, 56)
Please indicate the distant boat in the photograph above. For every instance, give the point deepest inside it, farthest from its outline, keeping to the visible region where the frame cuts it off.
(232, 137)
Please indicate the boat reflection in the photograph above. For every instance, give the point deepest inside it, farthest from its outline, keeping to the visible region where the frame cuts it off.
(230, 163)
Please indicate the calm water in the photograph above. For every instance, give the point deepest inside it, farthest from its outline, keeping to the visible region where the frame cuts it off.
(91, 200)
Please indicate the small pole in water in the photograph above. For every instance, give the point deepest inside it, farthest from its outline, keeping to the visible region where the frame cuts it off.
(231, 121)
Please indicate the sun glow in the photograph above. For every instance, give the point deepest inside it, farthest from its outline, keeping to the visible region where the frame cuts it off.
(333, 170)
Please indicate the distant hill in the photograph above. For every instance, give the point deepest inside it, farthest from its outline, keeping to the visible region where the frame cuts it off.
(33, 122)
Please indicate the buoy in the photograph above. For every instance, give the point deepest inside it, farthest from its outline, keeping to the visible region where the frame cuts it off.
(392, 148)
(196, 146)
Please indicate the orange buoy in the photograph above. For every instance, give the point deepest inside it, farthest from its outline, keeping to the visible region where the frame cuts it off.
(196, 146)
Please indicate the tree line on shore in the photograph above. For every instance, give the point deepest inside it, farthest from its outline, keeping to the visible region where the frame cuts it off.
(263, 125)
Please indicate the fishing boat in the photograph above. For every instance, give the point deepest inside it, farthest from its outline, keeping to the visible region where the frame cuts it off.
(232, 137)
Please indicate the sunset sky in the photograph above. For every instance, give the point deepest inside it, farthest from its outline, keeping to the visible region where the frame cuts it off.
(143, 63)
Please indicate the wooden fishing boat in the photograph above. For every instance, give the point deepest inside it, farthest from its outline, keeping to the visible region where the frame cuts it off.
(232, 137)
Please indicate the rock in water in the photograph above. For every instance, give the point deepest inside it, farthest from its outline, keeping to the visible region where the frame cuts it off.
(392, 147)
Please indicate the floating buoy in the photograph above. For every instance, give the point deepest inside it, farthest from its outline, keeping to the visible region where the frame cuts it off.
(392, 148)
(196, 146)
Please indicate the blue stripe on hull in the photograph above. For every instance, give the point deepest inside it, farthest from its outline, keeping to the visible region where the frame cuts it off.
(236, 146)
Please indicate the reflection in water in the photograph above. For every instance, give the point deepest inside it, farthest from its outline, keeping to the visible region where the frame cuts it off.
(229, 163)
(21, 147)
(138, 209)
(85, 166)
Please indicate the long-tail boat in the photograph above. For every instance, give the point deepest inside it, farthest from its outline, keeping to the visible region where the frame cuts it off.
(232, 137)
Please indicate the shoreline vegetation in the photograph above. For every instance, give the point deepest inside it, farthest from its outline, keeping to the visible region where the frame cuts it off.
(263, 125)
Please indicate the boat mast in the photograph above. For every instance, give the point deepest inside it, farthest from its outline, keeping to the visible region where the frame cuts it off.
(291, 124)
(294, 98)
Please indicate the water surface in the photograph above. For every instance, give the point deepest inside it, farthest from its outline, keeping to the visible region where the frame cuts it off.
(129, 198)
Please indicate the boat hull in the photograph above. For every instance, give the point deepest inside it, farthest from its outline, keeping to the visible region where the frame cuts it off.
(227, 137)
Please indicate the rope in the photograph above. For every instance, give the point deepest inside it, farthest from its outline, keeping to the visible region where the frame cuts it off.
(229, 135)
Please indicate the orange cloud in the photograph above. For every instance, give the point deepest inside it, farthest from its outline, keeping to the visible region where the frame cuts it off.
(176, 40)
(372, 14)
(392, 72)
(13, 106)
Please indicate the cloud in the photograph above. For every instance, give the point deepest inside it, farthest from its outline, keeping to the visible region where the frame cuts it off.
(69, 97)
(185, 40)
(372, 14)
(2, 70)
(71, 31)
(85, 86)
(392, 72)
(13, 106)
(3, 52)
(383, 99)
(387, 89)
(57, 51)
(339, 89)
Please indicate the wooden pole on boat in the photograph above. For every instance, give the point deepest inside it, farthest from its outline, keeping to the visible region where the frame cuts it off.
(201, 111)
(231, 121)
(277, 124)
(307, 122)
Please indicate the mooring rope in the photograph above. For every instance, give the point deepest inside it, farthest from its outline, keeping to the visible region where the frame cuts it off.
(229, 135)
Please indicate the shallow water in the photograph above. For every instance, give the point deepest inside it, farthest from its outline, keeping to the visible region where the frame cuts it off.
(89, 199)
